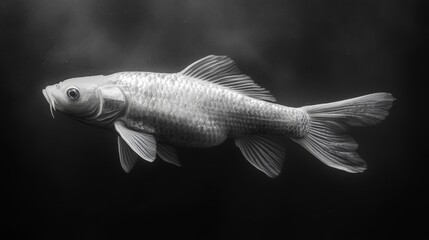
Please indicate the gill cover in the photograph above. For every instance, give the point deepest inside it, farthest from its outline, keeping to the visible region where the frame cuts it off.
(112, 102)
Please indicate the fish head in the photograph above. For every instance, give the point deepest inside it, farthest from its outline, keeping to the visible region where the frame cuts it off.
(94, 99)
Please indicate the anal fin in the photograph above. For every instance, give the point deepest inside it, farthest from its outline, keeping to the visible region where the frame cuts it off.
(264, 152)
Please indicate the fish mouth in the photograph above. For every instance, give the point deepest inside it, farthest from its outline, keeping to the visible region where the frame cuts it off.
(50, 100)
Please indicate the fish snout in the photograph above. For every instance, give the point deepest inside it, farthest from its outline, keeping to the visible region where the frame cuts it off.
(47, 93)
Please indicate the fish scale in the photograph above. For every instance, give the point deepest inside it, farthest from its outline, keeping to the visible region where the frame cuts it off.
(191, 112)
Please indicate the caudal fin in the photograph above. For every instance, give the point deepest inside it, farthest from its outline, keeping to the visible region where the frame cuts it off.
(327, 137)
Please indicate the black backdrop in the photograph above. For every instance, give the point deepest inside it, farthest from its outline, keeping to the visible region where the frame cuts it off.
(62, 179)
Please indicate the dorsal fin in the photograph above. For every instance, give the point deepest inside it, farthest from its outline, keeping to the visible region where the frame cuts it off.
(223, 71)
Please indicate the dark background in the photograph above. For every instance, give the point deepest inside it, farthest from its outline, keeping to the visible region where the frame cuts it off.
(62, 179)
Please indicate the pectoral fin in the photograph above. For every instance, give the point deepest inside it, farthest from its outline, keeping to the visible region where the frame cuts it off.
(144, 145)
(264, 152)
(126, 155)
(168, 154)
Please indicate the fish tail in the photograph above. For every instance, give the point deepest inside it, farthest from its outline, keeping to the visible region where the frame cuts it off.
(327, 137)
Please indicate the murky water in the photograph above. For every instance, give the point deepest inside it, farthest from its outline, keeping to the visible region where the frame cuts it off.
(62, 179)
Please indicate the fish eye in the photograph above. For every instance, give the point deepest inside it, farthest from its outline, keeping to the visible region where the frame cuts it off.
(73, 93)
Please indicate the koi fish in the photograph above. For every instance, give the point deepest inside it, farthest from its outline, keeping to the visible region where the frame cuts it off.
(208, 102)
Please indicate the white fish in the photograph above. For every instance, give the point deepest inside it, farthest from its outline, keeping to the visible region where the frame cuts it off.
(206, 103)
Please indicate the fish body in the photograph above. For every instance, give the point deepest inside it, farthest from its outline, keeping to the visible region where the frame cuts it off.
(191, 112)
(208, 102)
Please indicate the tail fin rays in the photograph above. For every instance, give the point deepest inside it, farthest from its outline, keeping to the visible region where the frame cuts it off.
(327, 137)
